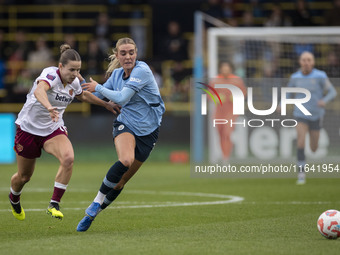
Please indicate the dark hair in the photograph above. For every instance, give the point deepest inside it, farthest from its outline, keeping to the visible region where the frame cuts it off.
(68, 54)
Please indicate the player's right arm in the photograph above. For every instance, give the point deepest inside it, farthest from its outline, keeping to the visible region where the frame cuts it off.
(41, 96)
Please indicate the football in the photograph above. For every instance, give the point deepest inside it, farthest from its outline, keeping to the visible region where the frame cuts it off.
(329, 224)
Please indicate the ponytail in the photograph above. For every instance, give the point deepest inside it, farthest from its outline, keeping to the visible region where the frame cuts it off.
(114, 62)
(68, 54)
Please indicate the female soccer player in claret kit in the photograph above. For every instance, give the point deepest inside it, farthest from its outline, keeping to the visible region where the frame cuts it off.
(132, 86)
(322, 91)
(40, 126)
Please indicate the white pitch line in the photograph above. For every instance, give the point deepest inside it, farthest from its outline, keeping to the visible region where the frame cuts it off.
(227, 199)
(42, 190)
(292, 203)
(129, 203)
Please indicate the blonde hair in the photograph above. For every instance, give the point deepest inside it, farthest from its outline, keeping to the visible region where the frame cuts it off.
(114, 62)
(68, 54)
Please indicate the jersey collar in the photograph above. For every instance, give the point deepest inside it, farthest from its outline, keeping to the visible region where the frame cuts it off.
(58, 72)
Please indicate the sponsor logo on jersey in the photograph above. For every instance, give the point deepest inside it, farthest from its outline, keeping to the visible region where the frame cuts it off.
(50, 77)
(135, 79)
(63, 98)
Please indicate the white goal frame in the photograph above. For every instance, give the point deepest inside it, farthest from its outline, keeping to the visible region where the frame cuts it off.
(214, 34)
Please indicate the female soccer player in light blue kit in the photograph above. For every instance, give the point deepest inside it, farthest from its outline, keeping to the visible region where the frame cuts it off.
(317, 82)
(133, 86)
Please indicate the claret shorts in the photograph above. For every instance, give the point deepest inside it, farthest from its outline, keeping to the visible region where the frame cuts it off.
(29, 146)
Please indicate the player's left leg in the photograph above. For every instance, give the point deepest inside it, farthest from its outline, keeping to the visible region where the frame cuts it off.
(60, 147)
(314, 139)
(301, 129)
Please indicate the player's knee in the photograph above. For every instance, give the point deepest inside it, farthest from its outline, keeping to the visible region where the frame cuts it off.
(127, 161)
(67, 161)
(24, 178)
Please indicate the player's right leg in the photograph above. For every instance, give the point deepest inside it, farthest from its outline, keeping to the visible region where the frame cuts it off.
(114, 193)
(18, 180)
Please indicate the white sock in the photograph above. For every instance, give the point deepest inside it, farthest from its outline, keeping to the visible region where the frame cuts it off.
(57, 194)
(99, 198)
(60, 185)
(15, 193)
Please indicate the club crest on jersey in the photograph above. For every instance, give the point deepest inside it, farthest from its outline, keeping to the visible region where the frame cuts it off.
(50, 77)
(121, 127)
(70, 92)
(19, 147)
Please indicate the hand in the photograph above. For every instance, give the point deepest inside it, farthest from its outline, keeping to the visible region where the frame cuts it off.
(53, 113)
(80, 77)
(321, 103)
(113, 107)
(90, 86)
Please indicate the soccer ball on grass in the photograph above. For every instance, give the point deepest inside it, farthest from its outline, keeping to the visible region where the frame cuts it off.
(329, 224)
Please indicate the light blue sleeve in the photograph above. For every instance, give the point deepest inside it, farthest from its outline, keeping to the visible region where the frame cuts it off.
(97, 94)
(331, 92)
(108, 84)
(119, 97)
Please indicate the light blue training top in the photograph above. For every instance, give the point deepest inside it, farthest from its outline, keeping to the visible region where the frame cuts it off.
(139, 96)
(320, 88)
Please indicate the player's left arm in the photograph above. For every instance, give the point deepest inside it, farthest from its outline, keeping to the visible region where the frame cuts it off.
(331, 93)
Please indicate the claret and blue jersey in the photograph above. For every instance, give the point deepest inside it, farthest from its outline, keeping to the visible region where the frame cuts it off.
(143, 112)
(320, 88)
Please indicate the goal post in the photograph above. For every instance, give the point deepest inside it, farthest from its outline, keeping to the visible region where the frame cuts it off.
(197, 129)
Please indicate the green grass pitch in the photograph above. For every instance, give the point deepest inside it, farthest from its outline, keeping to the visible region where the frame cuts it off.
(165, 211)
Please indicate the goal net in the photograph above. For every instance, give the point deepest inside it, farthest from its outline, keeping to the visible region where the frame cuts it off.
(265, 58)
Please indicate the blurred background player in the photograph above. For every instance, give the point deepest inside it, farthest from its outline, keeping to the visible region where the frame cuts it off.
(40, 126)
(225, 111)
(133, 86)
(317, 82)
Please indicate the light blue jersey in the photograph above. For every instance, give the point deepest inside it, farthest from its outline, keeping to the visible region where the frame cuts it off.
(320, 88)
(142, 113)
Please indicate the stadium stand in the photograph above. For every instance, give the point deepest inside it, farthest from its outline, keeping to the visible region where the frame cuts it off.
(145, 21)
